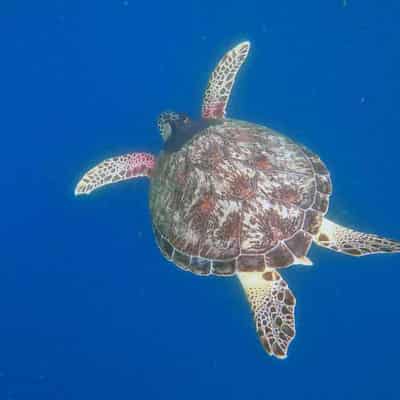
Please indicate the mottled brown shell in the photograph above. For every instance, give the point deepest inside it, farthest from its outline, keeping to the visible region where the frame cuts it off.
(238, 197)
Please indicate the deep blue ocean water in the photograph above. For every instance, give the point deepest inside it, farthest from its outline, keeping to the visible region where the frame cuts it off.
(89, 309)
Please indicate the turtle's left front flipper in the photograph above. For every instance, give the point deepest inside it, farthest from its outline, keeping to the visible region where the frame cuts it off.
(116, 169)
(273, 306)
(348, 241)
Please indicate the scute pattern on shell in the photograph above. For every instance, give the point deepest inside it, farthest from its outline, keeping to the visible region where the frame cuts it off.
(238, 190)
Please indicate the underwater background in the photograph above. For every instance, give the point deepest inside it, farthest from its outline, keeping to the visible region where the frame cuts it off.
(89, 309)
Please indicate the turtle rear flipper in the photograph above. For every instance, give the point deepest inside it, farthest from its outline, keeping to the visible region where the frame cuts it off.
(116, 169)
(353, 243)
(273, 306)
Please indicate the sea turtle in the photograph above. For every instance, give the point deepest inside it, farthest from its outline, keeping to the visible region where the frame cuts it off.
(233, 198)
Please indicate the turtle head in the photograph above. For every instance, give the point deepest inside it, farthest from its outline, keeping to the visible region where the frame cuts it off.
(170, 122)
(177, 129)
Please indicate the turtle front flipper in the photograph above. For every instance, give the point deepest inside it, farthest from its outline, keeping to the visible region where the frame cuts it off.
(353, 243)
(273, 306)
(221, 81)
(116, 169)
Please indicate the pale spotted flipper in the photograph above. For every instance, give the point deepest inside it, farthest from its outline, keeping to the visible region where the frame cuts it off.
(348, 241)
(116, 169)
(273, 306)
(221, 81)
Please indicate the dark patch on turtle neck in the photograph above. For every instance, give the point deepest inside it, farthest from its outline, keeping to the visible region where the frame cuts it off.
(183, 132)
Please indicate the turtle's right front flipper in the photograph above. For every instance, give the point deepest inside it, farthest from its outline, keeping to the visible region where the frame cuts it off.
(116, 169)
(353, 243)
(221, 82)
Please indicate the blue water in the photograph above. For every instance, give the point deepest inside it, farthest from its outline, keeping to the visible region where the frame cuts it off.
(89, 309)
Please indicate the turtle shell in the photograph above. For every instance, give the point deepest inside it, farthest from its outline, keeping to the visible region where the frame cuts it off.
(237, 197)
